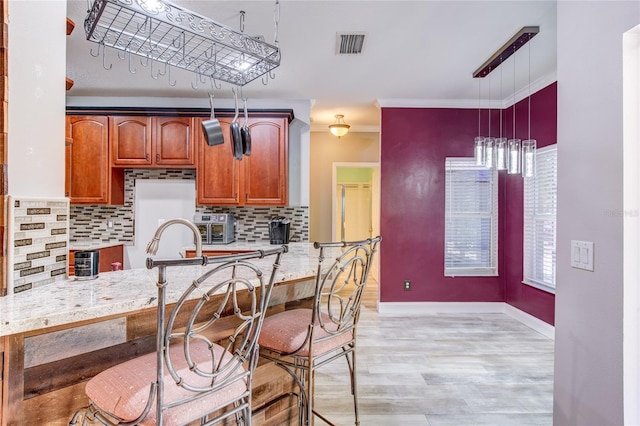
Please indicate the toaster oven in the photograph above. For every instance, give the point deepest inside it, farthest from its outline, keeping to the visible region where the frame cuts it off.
(216, 228)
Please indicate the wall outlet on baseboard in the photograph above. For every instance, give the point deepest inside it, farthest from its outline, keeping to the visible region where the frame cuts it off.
(407, 285)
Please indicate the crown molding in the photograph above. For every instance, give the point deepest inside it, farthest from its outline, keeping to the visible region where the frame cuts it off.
(321, 128)
(521, 94)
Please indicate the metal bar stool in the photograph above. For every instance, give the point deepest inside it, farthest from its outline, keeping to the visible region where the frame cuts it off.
(206, 350)
(303, 340)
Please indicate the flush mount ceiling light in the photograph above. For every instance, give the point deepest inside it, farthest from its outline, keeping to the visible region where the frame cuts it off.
(339, 128)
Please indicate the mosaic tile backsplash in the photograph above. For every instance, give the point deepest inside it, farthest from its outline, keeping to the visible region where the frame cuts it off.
(39, 241)
(90, 222)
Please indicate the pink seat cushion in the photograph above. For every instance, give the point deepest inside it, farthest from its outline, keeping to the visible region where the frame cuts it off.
(124, 388)
(286, 331)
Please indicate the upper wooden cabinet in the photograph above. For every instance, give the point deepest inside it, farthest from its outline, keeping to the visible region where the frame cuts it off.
(257, 179)
(152, 141)
(89, 177)
(218, 173)
(173, 141)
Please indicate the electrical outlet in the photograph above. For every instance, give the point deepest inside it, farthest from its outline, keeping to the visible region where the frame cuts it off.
(407, 285)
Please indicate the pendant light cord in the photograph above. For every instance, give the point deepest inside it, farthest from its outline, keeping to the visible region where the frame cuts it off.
(501, 106)
(514, 95)
(529, 101)
(489, 97)
(478, 107)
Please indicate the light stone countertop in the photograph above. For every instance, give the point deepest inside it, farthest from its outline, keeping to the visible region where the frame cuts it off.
(121, 292)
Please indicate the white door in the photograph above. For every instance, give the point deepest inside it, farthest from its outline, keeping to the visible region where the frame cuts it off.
(354, 211)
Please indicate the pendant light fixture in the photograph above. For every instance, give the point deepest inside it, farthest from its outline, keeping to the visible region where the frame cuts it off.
(506, 154)
(513, 157)
(479, 140)
(529, 145)
(339, 128)
(489, 142)
(501, 142)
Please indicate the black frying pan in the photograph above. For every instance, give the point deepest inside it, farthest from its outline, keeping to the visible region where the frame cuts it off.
(246, 134)
(211, 128)
(236, 134)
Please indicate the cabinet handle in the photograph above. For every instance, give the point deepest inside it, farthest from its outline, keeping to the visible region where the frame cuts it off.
(146, 157)
(157, 158)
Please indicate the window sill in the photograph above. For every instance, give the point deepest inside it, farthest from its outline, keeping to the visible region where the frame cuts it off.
(540, 286)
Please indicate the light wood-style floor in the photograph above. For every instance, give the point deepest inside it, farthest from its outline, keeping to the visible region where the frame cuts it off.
(445, 369)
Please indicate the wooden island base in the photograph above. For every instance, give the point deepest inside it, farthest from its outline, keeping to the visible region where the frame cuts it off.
(45, 371)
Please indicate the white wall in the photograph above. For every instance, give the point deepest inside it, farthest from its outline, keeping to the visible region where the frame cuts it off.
(631, 314)
(37, 66)
(588, 384)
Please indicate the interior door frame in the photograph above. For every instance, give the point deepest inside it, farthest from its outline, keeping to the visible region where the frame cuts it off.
(375, 193)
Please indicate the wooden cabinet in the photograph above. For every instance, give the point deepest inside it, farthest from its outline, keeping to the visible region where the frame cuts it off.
(152, 141)
(89, 177)
(108, 255)
(257, 179)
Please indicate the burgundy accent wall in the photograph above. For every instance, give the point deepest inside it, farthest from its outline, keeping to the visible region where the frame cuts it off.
(414, 145)
(538, 303)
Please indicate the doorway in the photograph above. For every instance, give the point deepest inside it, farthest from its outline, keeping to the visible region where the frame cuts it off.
(356, 204)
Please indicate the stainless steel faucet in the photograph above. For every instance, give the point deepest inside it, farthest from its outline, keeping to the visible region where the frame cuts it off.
(152, 247)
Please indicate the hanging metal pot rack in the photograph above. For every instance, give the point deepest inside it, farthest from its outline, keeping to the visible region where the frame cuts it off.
(172, 35)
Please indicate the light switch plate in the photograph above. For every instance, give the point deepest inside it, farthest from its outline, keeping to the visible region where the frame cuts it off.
(582, 255)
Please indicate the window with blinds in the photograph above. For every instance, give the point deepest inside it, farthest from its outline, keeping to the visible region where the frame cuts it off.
(540, 202)
(471, 219)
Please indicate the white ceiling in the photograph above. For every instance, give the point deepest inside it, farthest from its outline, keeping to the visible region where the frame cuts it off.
(419, 53)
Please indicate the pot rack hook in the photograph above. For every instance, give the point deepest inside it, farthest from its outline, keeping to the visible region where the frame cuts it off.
(97, 53)
(246, 112)
(214, 84)
(235, 97)
(124, 55)
(104, 55)
(195, 87)
(242, 21)
(131, 69)
(267, 76)
(155, 77)
(169, 77)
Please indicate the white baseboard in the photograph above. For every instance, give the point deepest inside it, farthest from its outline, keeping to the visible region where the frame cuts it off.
(418, 308)
(530, 321)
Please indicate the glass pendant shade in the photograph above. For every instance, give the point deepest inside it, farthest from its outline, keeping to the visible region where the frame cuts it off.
(479, 150)
(513, 155)
(501, 153)
(528, 158)
(489, 152)
(339, 128)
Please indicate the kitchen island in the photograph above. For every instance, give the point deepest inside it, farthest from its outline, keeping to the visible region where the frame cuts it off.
(56, 337)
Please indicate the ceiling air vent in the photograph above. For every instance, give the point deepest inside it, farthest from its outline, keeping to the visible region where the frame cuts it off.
(349, 44)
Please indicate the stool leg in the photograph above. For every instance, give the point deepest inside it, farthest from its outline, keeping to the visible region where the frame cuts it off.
(354, 386)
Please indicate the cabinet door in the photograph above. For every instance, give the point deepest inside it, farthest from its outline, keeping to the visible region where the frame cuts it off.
(218, 175)
(265, 171)
(173, 141)
(87, 168)
(130, 139)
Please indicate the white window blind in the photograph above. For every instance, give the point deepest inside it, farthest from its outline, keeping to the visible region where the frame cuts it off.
(540, 200)
(471, 219)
